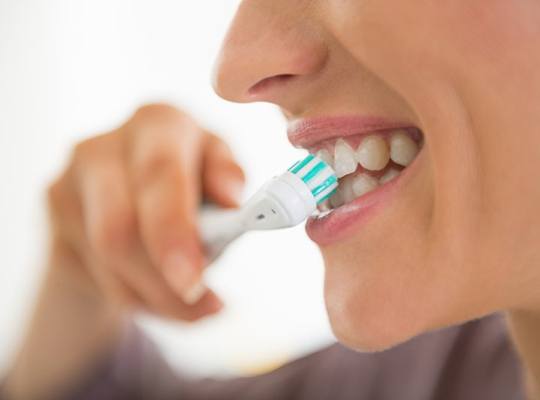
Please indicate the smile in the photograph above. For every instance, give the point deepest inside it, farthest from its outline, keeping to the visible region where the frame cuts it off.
(370, 156)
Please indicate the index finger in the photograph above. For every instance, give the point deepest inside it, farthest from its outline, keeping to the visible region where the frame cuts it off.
(165, 167)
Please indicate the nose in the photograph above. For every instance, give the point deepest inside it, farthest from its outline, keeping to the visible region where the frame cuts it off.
(269, 54)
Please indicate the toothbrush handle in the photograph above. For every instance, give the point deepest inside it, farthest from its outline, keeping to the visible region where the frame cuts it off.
(219, 227)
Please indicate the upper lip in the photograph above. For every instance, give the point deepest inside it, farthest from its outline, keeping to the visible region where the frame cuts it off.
(309, 132)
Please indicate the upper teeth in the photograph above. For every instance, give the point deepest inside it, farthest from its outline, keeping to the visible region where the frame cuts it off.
(326, 156)
(373, 154)
(344, 160)
(402, 148)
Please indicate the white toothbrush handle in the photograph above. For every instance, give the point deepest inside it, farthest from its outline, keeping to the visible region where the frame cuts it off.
(219, 227)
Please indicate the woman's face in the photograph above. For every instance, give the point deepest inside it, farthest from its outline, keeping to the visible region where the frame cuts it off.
(457, 234)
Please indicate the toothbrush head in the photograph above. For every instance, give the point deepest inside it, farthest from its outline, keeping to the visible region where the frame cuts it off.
(319, 177)
(290, 198)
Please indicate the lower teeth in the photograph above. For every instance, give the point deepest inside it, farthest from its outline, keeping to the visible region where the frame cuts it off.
(354, 186)
(322, 214)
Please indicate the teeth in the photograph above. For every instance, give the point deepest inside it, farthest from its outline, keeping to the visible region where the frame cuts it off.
(346, 188)
(324, 206)
(403, 149)
(373, 153)
(344, 160)
(323, 214)
(388, 176)
(326, 157)
(363, 184)
(337, 200)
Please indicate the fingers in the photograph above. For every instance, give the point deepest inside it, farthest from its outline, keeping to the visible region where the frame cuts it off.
(99, 234)
(118, 258)
(165, 163)
(138, 192)
(65, 213)
(223, 179)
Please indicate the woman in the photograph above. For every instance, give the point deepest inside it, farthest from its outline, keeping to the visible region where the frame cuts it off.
(433, 238)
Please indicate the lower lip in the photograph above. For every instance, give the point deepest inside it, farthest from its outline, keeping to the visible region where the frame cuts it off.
(344, 221)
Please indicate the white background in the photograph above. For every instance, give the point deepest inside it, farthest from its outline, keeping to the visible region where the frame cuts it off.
(72, 68)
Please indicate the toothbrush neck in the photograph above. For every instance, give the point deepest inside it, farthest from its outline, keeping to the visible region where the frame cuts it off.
(263, 212)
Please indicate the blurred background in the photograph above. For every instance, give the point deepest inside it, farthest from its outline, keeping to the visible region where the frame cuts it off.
(73, 68)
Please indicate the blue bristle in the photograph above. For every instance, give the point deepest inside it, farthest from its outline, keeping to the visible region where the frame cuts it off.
(318, 176)
(301, 164)
(323, 186)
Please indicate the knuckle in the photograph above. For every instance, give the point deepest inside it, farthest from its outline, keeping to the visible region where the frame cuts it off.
(87, 151)
(84, 149)
(59, 199)
(159, 113)
(96, 155)
(54, 203)
(55, 193)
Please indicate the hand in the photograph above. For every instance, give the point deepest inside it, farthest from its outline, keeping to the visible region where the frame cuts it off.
(126, 210)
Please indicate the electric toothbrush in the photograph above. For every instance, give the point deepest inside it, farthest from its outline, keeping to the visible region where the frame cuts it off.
(284, 201)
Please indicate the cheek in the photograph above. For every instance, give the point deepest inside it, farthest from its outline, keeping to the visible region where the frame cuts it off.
(436, 257)
(408, 270)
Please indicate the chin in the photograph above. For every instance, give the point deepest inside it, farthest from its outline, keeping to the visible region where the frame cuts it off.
(368, 331)
(372, 314)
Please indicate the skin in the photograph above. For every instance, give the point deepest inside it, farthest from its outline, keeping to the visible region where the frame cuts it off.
(467, 236)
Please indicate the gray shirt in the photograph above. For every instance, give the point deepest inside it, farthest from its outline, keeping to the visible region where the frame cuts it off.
(474, 361)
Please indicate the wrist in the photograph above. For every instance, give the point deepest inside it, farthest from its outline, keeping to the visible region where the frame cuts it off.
(69, 276)
(72, 328)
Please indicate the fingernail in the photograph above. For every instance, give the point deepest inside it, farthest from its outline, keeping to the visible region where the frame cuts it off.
(180, 273)
(194, 293)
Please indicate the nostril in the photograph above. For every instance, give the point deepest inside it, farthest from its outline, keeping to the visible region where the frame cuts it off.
(267, 83)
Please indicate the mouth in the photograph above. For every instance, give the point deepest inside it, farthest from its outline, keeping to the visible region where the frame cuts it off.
(370, 156)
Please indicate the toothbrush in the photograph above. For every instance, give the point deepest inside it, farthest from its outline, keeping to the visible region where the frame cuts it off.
(284, 201)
